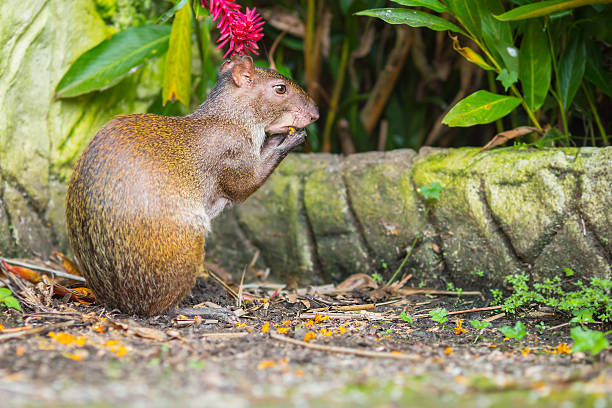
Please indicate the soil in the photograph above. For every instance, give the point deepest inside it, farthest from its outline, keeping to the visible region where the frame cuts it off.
(59, 352)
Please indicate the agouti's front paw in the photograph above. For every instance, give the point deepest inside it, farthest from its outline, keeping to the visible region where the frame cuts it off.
(294, 139)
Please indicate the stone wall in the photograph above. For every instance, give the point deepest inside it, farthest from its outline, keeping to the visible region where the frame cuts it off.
(323, 217)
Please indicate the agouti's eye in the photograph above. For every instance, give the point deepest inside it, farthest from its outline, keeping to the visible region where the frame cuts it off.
(280, 89)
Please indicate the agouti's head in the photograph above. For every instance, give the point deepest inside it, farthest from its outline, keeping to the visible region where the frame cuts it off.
(264, 96)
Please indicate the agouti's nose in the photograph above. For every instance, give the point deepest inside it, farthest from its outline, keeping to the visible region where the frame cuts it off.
(314, 114)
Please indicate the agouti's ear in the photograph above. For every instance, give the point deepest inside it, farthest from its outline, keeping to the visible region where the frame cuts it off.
(243, 71)
(227, 64)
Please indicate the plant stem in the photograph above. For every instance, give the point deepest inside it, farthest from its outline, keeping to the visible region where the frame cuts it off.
(333, 103)
(498, 123)
(310, 22)
(524, 104)
(414, 242)
(198, 38)
(558, 95)
(589, 97)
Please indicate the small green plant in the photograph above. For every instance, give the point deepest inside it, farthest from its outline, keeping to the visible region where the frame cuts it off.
(517, 332)
(568, 272)
(541, 327)
(7, 298)
(377, 277)
(497, 296)
(589, 341)
(406, 317)
(591, 298)
(386, 332)
(479, 273)
(479, 325)
(583, 316)
(439, 315)
(432, 191)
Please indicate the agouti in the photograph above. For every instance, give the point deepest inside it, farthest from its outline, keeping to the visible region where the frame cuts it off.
(146, 187)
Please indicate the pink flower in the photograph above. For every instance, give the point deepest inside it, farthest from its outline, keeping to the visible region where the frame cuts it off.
(240, 30)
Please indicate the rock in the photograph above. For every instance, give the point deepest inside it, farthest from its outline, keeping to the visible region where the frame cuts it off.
(40, 136)
(322, 217)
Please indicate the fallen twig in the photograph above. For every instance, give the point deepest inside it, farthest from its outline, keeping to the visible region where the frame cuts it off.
(347, 350)
(478, 309)
(495, 317)
(425, 291)
(45, 270)
(558, 326)
(35, 330)
(222, 283)
(224, 335)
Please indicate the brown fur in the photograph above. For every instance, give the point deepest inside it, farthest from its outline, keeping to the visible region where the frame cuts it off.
(146, 188)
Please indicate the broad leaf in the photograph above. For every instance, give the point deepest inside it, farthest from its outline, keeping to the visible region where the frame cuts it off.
(535, 65)
(571, 68)
(507, 78)
(434, 5)
(468, 14)
(595, 71)
(413, 18)
(498, 37)
(177, 71)
(589, 341)
(110, 61)
(544, 8)
(480, 107)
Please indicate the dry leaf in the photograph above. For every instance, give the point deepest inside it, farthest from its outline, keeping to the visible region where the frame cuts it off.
(22, 272)
(503, 137)
(69, 266)
(356, 281)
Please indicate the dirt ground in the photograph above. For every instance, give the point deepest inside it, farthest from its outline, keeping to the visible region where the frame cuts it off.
(59, 352)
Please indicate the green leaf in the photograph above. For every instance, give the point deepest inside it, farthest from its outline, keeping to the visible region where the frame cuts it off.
(595, 72)
(110, 61)
(516, 332)
(535, 65)
(432, 192)
(166, 16)
(439, 315)
(507, 78)
(413, 18)
(434, 5)
(4, 292)
(10, 301)
(479, 325)
(544, 8)
(406, 317)
(498, 37)
(468, 14)
(571, 69)
(588, 341)
(583, 316)
(480, 107)
(177, 71)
